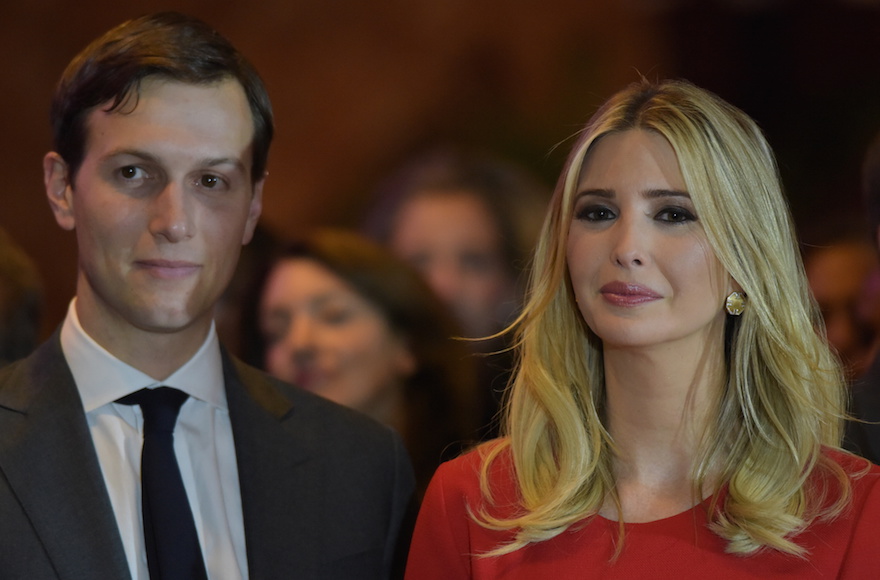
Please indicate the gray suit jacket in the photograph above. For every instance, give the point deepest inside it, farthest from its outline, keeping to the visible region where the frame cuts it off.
(325, 491)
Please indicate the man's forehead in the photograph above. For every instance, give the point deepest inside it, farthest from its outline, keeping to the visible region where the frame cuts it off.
(211, 122)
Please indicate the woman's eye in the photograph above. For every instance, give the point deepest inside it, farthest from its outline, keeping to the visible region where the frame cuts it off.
(336, 316)
(676, 215)
(595, 214)
(274, 326)
(271, 337)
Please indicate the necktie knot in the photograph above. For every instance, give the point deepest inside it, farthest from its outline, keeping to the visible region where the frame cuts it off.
(160, 406)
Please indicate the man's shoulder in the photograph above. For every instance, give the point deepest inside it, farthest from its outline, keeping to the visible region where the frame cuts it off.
(23, 376)
(281, 423)
(305, 411)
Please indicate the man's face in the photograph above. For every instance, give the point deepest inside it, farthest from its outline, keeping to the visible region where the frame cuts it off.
(161, 205)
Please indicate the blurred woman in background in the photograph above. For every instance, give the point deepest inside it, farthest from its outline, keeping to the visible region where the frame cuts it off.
(342, 317)
(468, 221)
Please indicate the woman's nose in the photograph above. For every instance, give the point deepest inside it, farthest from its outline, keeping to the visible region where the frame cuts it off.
(630, 243)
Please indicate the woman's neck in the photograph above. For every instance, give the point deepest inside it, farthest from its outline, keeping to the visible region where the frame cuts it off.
(388, 407)
(659, 402)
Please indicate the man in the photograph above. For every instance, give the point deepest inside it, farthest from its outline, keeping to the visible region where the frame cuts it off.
(162, 133)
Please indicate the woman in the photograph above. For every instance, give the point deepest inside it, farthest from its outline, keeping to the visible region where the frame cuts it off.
(468, 222)
(345, 319)
(673, 413)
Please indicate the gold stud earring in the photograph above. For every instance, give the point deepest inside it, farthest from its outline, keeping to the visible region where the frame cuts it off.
(736, 303)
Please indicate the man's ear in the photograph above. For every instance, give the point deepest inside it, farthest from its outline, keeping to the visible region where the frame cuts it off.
(59, 190)
(254, 211)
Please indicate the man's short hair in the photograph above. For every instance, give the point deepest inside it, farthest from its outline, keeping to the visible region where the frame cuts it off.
(168, 45)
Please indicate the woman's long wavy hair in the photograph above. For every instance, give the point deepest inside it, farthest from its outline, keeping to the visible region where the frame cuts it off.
(784, 396)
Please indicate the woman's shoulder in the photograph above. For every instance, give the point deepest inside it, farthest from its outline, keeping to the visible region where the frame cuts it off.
(464, 474)
(469, 464)
(854, 466)
(863, 476)
(855, 530)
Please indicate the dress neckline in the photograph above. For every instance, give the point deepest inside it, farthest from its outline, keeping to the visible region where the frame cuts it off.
(702, 507)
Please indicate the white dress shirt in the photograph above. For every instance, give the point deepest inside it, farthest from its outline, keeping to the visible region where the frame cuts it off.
(202, 441)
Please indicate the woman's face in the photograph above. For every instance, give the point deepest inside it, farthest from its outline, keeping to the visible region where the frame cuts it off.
(452, 238)
(641, 267)
(323, 336)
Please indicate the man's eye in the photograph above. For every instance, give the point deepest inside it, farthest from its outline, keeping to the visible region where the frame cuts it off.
(132, 172)
(209, 181)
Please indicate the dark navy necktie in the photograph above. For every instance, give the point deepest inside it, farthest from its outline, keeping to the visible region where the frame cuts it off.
(172, 542)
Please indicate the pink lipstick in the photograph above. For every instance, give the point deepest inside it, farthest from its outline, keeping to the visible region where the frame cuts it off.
(623, 294)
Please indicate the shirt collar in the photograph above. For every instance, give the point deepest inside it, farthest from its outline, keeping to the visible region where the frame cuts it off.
(101, 378)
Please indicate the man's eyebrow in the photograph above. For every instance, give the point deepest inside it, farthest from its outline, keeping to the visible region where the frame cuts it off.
(215, 161)
(132, 153)
(208, 162)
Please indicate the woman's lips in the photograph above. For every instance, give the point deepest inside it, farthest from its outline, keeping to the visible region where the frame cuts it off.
(624, 294)
(309, 379)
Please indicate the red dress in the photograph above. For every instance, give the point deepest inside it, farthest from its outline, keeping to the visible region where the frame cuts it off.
(447, 540)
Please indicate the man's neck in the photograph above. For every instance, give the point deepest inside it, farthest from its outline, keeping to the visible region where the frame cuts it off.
(157, 354)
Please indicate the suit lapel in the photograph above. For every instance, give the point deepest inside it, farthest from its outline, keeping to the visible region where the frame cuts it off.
(280, 492)
(48, 458)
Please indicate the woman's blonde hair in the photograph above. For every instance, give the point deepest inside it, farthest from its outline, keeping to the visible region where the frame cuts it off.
(784, 396)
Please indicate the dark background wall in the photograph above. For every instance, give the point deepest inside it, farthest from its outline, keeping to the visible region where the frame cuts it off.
(357, 85)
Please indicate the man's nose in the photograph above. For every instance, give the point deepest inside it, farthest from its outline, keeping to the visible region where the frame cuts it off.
(171, 216)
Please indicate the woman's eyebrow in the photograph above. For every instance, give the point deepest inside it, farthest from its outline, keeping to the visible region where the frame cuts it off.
(655, 193)
(650, 193)
(598, 192)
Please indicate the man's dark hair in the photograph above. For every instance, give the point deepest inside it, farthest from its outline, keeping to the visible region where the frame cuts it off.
(167, 45)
